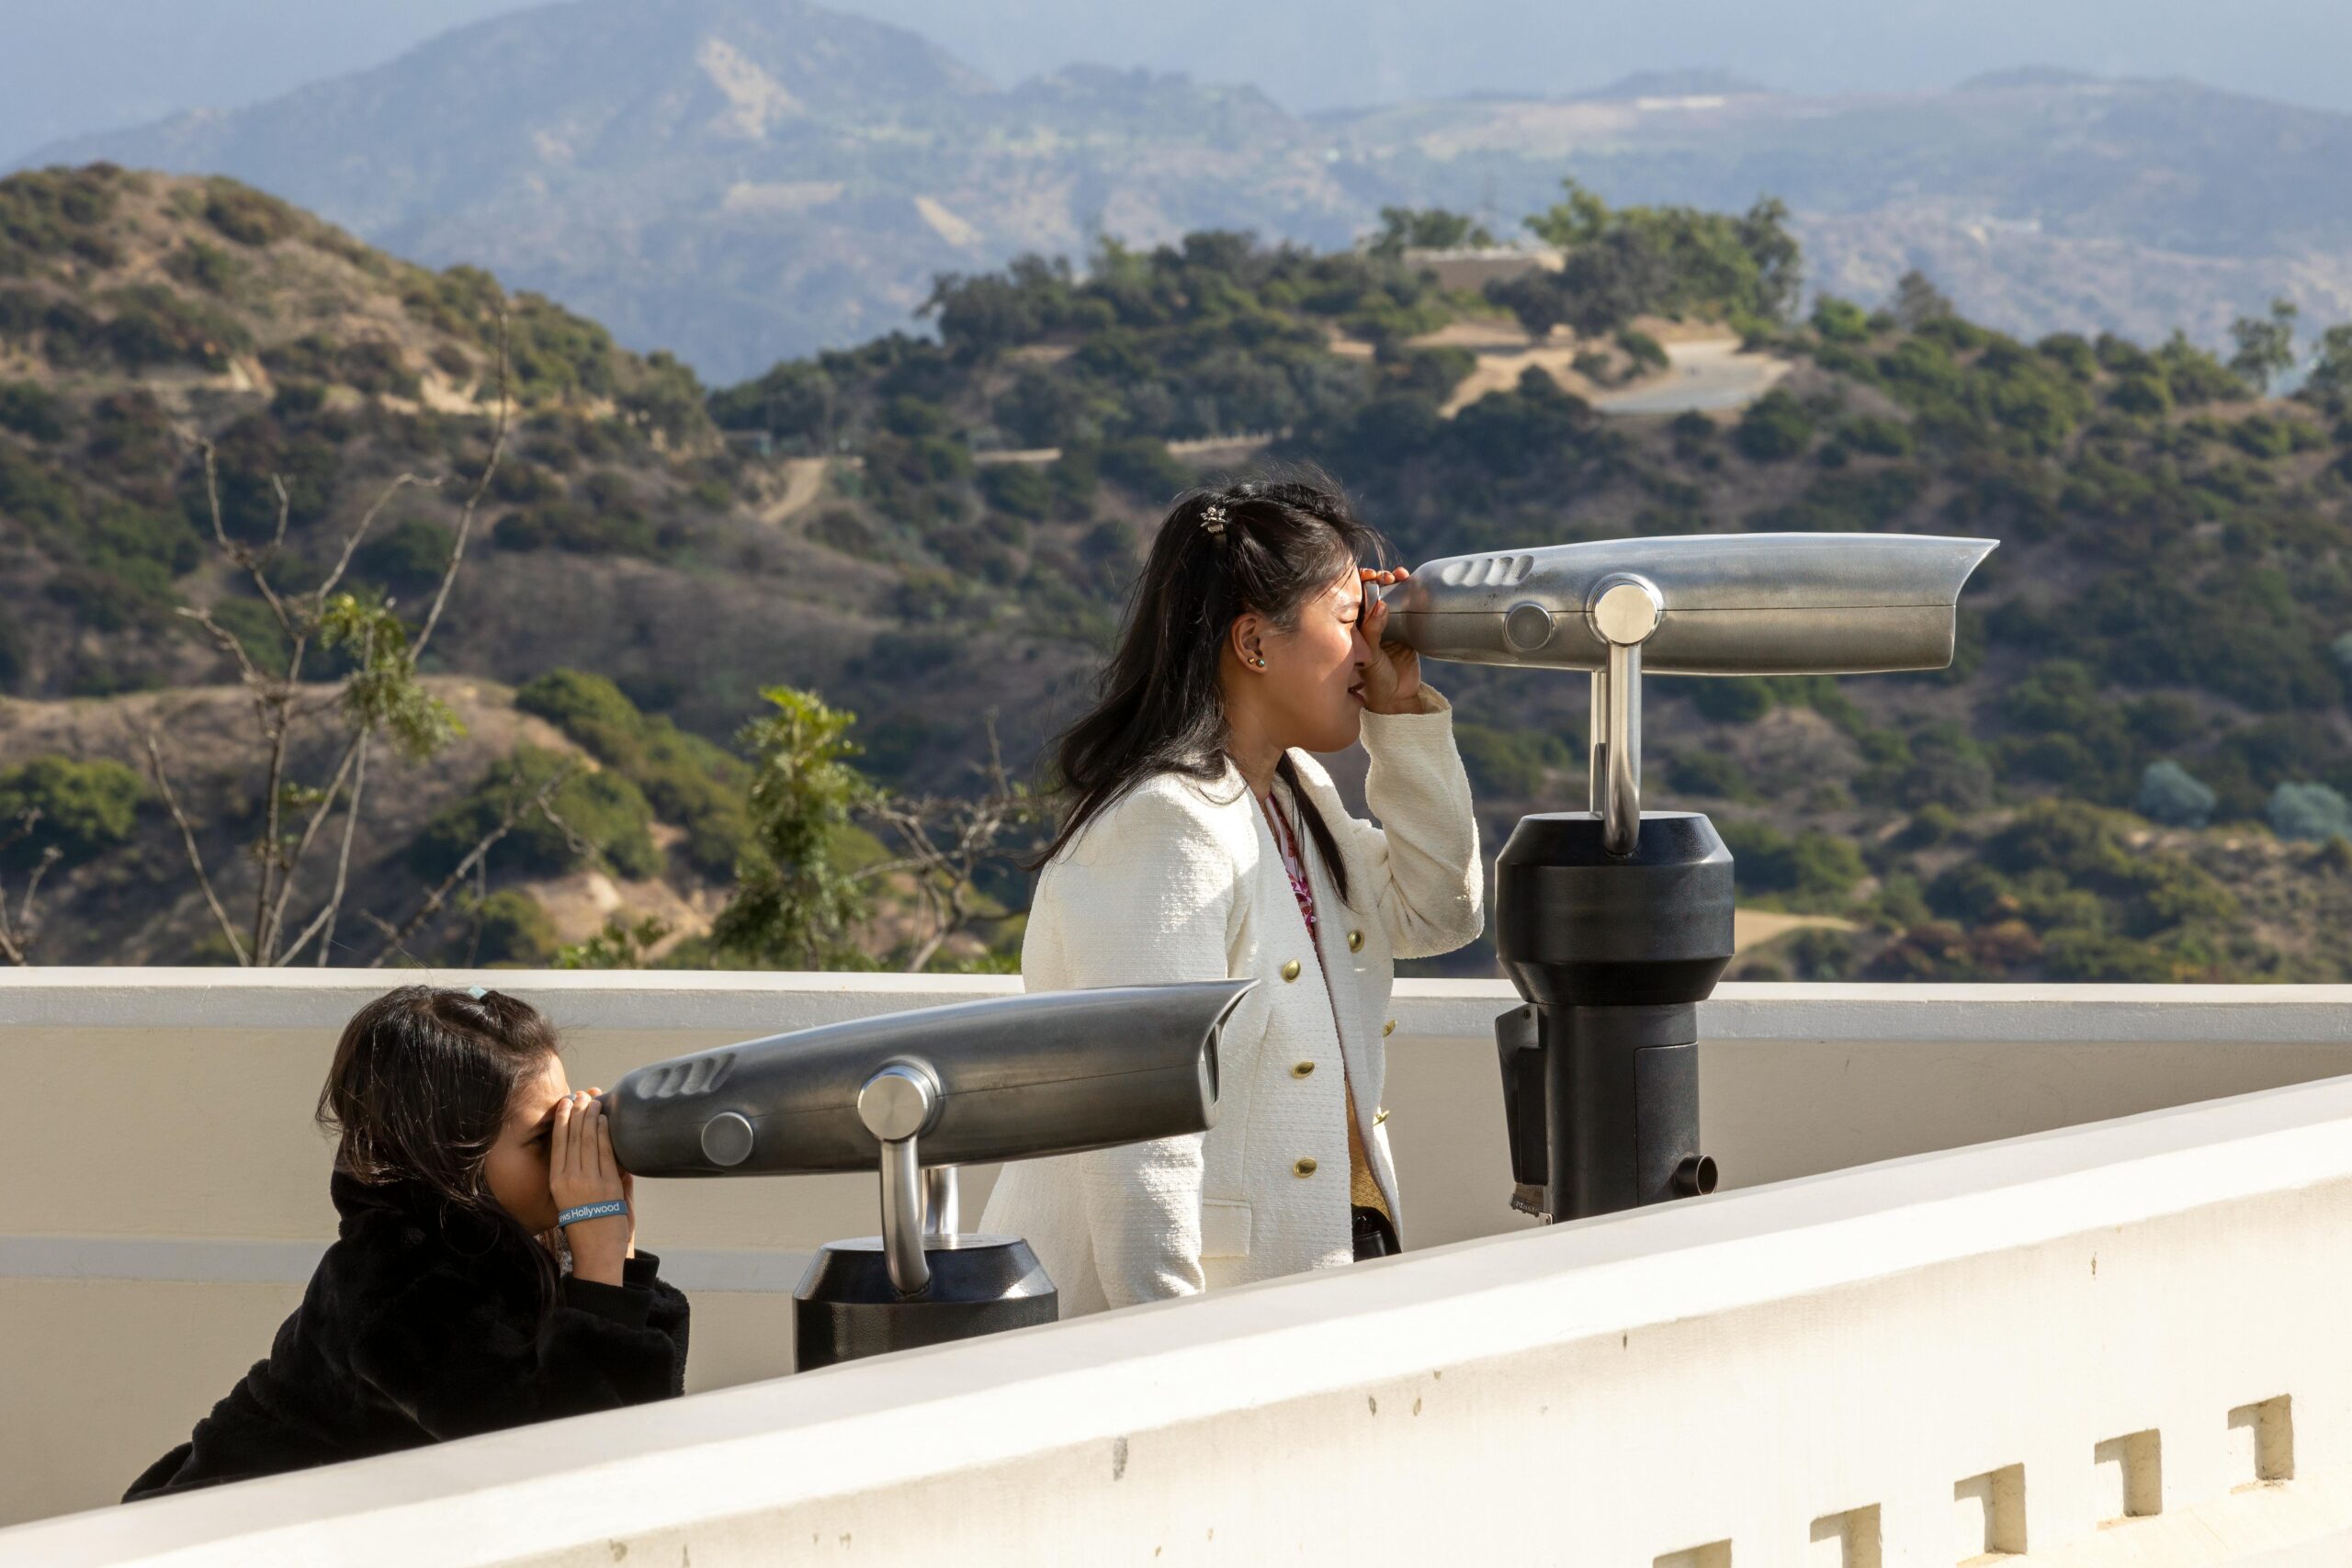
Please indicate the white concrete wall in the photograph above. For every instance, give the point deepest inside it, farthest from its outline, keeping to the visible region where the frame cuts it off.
(2115, 1345)
(162, 1193)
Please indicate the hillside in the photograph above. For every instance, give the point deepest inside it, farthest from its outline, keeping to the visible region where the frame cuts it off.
(2136, 769)
(740, 182)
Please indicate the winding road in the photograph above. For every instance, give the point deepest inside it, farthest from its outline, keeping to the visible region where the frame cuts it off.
(1703, 375)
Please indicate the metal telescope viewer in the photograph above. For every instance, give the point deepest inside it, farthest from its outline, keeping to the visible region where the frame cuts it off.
(1614, 923)
(916, 1094)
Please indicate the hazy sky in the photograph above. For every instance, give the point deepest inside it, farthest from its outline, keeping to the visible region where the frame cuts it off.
(76, 65)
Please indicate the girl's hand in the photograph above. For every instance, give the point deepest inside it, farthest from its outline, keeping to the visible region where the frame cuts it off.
(581, 1169)
(1391, 679)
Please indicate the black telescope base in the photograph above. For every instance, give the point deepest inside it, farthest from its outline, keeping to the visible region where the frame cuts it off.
(1603, 1105)
(1612, 954)
(846, 1306)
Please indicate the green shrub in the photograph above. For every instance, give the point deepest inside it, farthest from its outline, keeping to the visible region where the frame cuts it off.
(1144, 468)
(1710, 773)
(245, 215)
(2170, 796)
(204, 266)
(2093, 957)
(577, 530)
(1840, 320)
(1509, 763)
(411, 554)
(153, 325)
(1809, 867)
(1731, 699)
(2141, 394)
(1882, 437)
(1021, 490)
(1774, 428)
(84, 807)
(2309, 811)
(687, 780)
(608, 812)
(589, 708)
(513, 931)
(30, 410)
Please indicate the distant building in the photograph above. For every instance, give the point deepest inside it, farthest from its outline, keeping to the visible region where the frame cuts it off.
(1474, 266)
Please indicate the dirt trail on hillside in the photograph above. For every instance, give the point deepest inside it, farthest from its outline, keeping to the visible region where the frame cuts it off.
(1754, 928)
(804, 481)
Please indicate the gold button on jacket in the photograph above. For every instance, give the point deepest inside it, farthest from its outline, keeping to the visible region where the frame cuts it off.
(1355, 941)
(1379, 1116)
(1300, 1069)
(1388, 1029)
(1305, 1167)
(1289, 970)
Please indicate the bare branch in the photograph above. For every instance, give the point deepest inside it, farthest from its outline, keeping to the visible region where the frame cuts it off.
(359, 534)
(354, 748)
(250, 677)
(322, 924)
(49, 856)
(473, 499)
(515, 811)
(285, 507)
(17, 935)
(212, 498)
(188, 836)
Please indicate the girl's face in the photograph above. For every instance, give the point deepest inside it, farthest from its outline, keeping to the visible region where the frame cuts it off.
(517, 1168)
(1314, 699)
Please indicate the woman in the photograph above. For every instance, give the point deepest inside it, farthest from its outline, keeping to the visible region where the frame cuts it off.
(1200, 840)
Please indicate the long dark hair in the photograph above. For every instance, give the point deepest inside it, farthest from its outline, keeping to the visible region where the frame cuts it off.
(1158, 707)
(422, 1081)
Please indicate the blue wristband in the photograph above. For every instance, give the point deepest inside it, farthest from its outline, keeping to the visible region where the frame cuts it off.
(592, 1212)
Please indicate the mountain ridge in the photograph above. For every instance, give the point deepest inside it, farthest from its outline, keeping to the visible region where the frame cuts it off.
(741, 184)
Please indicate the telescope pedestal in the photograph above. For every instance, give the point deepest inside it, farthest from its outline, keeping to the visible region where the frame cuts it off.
(846, 1306)
(1601, 1070)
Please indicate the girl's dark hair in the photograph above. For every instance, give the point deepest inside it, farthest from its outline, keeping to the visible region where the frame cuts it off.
(422, 1081)
(1158, 707)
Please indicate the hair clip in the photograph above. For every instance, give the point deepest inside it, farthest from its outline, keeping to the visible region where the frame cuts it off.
(475, 992)
(1213, 518)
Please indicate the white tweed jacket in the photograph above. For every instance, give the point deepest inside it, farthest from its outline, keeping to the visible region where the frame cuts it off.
(1182, 879)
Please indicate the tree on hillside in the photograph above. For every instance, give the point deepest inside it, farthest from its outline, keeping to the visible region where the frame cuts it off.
(1427, 228)
(2330, 384)
(378, 701)
(796, 903)
(2266, 346)
(1619, 263)
(1917, 301)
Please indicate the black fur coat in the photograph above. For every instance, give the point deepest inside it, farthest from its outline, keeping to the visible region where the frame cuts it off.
(422, 1323)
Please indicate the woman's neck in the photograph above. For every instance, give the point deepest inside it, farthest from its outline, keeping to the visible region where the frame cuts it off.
(1256, 753)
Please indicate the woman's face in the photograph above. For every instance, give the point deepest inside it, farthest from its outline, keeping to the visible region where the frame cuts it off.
(1313, 697)
(517, 1168)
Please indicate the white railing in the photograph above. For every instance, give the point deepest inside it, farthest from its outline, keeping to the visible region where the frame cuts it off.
(2121, 1344)
(162, 1188)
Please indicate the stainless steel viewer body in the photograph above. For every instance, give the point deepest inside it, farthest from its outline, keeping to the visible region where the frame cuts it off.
(914, 1095)
(1615, 924)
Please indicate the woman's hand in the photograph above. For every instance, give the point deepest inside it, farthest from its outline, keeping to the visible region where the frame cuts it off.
(582, 1169)
(1391, 679)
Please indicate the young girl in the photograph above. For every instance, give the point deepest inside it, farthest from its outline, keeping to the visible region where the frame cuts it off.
(1200, 839)
(467, 1167)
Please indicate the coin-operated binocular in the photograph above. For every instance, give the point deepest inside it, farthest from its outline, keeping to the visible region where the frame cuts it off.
(1614, 923)
(916, 1094)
